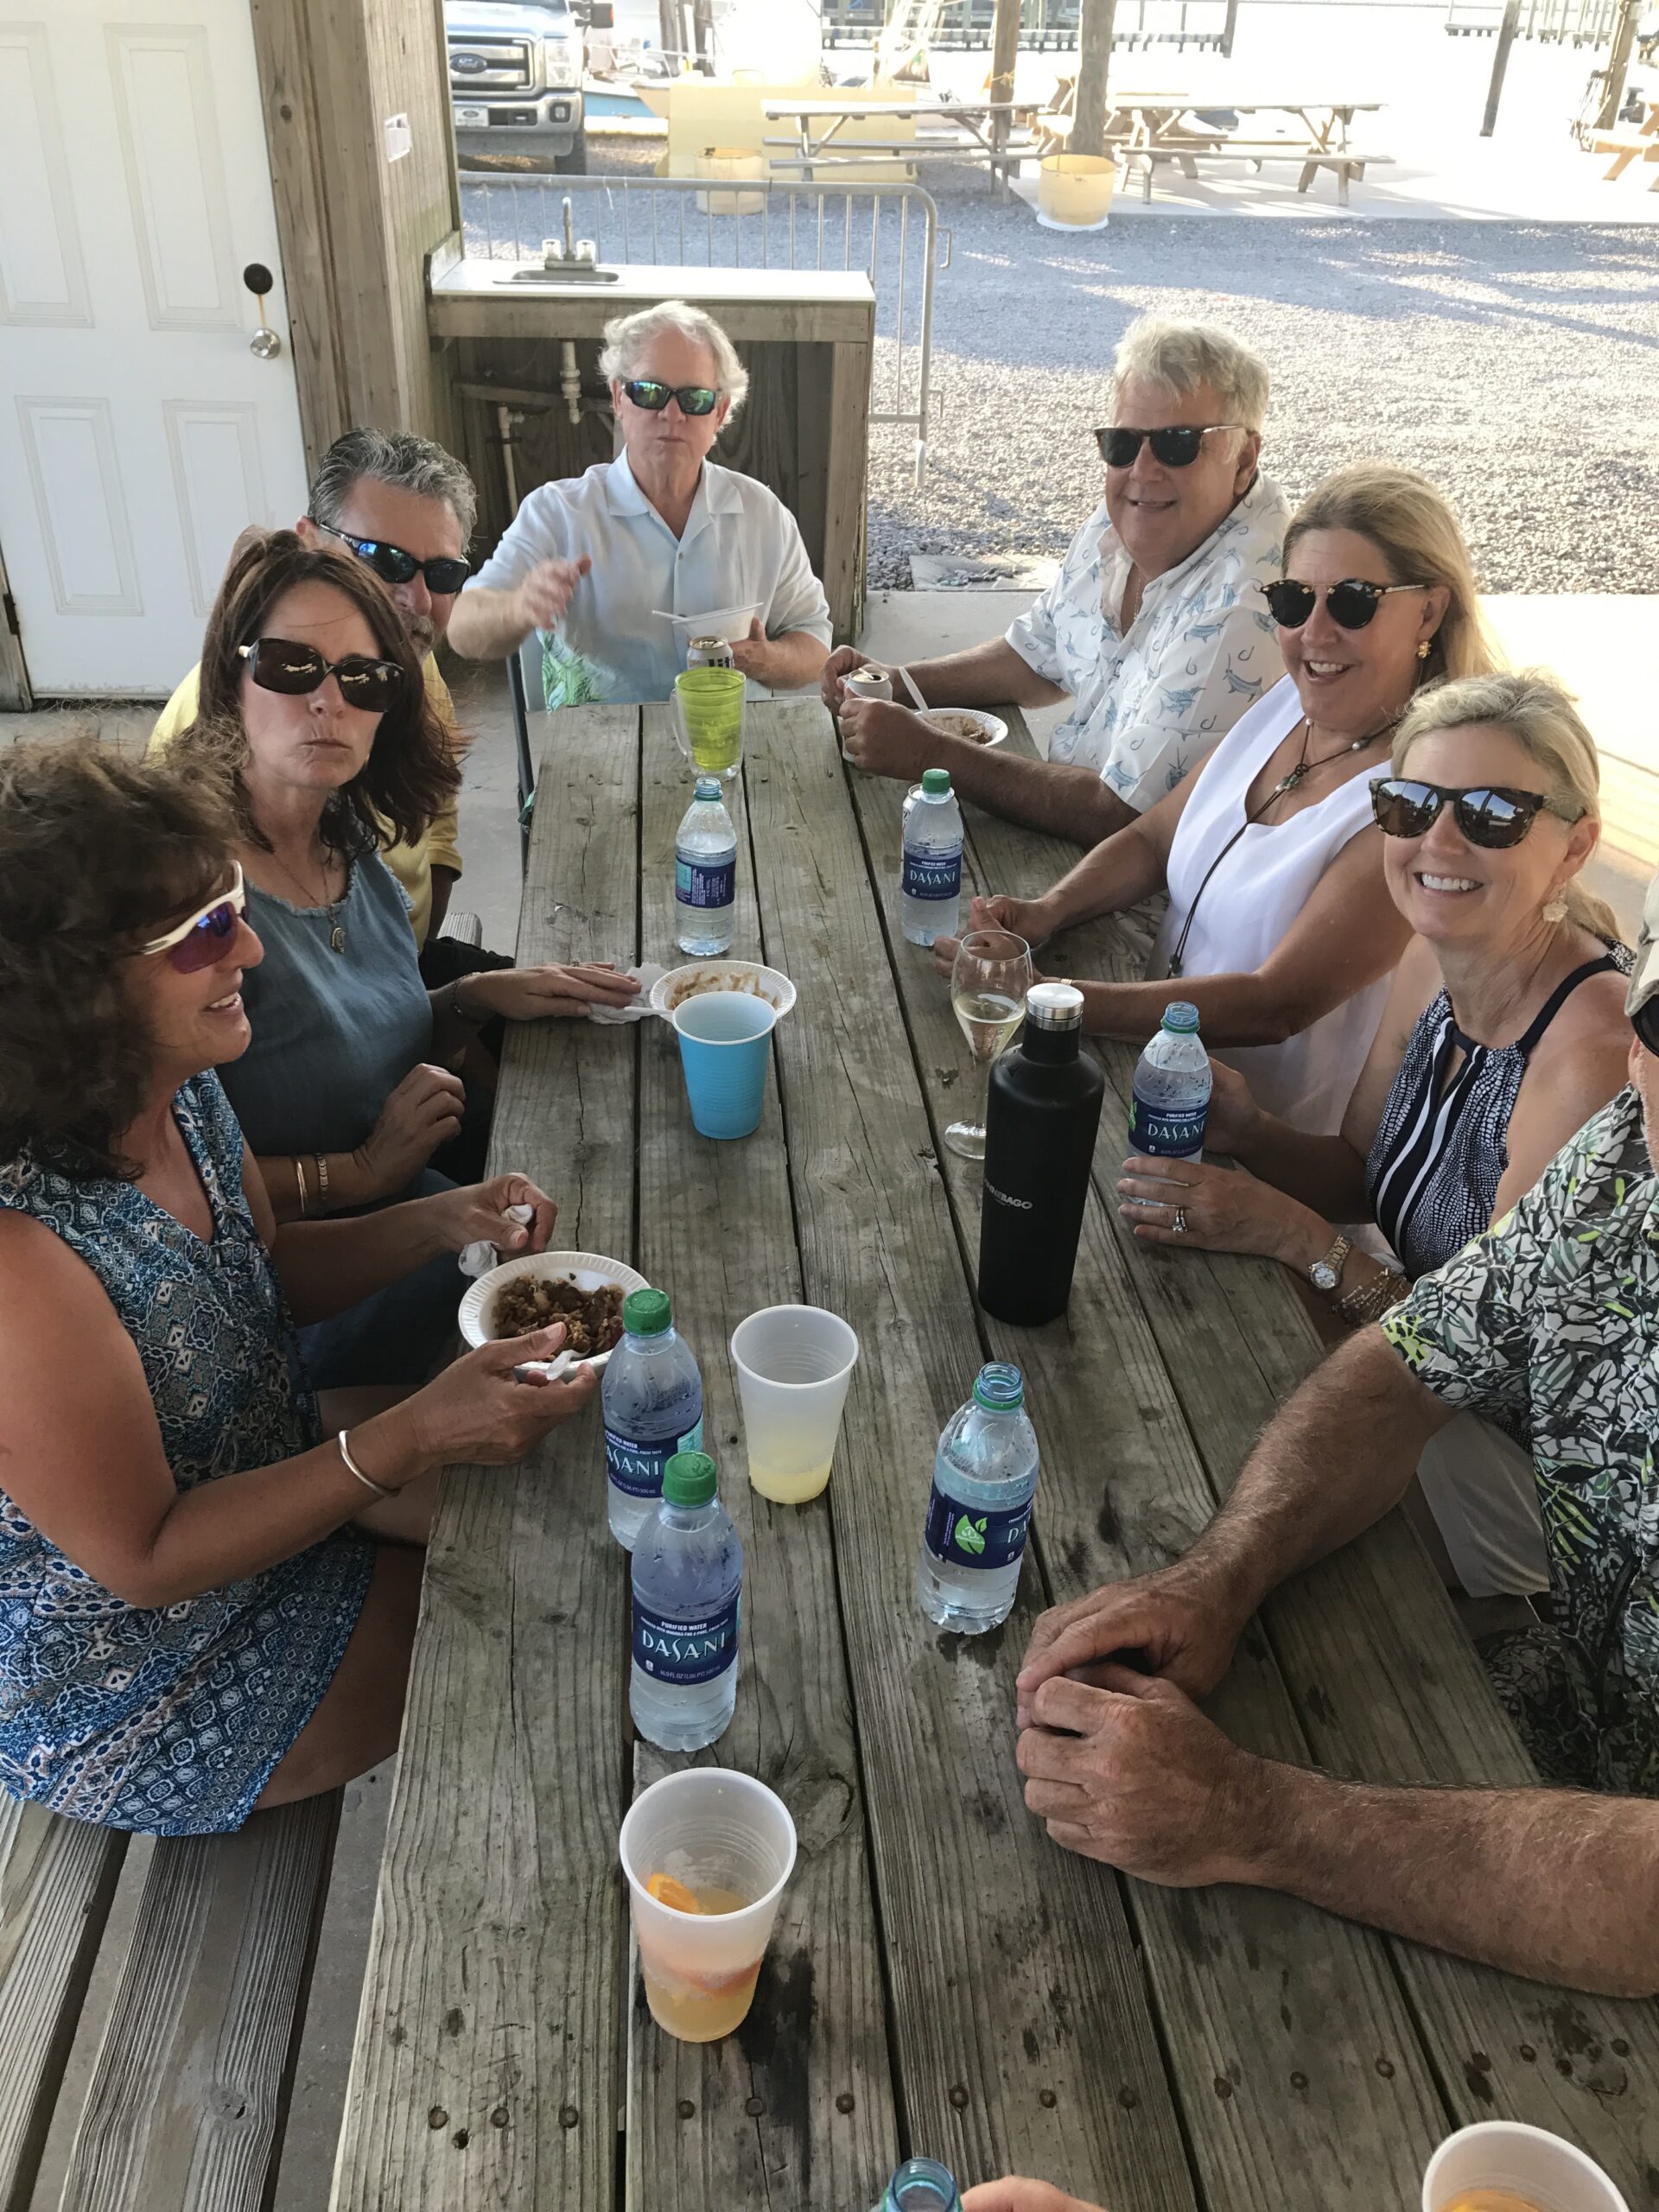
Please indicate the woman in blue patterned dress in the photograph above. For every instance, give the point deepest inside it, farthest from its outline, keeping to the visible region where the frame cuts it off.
(206, 1604)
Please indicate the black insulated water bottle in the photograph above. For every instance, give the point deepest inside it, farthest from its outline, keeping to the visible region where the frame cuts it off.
(1041, 1114)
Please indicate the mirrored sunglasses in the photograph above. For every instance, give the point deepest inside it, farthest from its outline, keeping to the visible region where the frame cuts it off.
(279, 664)
(204, 938)
(1178, 447)
(694, 398)
(1350, 604)
(1488, 815)
(444, 577)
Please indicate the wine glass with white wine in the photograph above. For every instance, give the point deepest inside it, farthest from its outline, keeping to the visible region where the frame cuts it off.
(989, 984)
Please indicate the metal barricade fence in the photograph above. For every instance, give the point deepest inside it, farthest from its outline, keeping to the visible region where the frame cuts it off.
(889, 231)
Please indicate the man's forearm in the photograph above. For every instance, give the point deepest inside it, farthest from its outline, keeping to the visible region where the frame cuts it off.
(1050, 796)
(798, 656)
(487, 624)
(1557, 1885)
(1338, 1455)
(991, 675)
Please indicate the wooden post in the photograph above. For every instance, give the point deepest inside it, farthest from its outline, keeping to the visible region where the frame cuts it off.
(1619, 66)
(1500, 63)
(1094, 61)
(1228, 29)
(1005, 50)
(703, 33)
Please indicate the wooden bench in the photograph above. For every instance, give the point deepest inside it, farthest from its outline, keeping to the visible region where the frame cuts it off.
(1628, 146)
(1347, 161)
(189, 2092)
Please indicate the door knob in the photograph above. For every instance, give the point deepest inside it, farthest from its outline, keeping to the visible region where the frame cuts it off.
(265, 342)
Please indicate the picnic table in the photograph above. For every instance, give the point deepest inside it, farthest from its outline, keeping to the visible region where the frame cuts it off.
(1154, 127)
(978, 130)
(943, 1977)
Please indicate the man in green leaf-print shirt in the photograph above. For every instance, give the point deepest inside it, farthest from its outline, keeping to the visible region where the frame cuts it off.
(1548, 1324)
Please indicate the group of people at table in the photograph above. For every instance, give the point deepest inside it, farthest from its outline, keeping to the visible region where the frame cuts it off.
(245, 1083)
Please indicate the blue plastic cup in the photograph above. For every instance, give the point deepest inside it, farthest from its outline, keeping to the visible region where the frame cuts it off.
(725, 1045)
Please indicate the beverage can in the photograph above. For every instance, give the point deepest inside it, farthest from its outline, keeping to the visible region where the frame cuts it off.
(867, 684)
(709, 652)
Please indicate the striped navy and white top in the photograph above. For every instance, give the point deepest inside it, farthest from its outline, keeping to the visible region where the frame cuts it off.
(1442, 1148)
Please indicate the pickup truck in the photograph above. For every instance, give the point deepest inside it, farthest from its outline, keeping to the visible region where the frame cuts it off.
(515, 79)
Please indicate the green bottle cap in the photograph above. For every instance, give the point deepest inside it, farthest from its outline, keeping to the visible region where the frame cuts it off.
(646, 1312)
(936, 782)
(1180, 1017)
(688, 1478)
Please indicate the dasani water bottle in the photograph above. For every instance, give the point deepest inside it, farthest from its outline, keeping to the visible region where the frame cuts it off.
(979, 1510)
(1172, 1089)
(705, 872)
(929, 881)
(688, 1586)
(651, 1398)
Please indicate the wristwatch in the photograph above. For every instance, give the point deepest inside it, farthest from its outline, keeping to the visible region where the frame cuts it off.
(1324, 1275)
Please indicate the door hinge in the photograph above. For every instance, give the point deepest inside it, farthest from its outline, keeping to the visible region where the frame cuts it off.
(9, 607)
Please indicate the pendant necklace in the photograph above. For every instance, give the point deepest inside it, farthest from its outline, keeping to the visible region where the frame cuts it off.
(1291, 780)
(330, 906)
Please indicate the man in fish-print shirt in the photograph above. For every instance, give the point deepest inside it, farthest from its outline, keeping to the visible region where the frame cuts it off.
(1154, 627)
(1547, 1324)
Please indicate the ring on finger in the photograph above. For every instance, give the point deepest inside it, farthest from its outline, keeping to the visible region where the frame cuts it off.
(1177, 1225)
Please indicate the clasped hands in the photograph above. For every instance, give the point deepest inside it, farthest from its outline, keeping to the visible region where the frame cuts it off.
(1120, 1764)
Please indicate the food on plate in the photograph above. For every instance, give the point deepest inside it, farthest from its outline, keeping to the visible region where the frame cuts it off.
(716, 980)
(592, 1319)
(967, 726)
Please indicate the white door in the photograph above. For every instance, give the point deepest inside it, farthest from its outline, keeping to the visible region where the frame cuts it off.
(139, 433)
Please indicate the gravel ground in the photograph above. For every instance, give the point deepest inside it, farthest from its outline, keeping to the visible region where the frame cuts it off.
(1517, 363)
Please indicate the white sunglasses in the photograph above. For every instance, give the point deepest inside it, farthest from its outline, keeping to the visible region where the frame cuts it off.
(205, 936)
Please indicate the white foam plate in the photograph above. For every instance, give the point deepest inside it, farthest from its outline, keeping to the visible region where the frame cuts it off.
(770, 983)
(587, 1270)
(730, 623)
(995, 729)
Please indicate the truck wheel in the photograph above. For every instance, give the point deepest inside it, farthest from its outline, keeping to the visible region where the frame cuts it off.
(575, 164)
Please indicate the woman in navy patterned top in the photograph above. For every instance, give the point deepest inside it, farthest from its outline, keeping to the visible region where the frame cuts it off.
(205, 1607)
(1504, 1033)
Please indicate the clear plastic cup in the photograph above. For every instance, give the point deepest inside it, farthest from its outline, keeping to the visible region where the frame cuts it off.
(730, 1842)
(724, 1050)
(794, 1363)
(709, 719)
(1497, 2160)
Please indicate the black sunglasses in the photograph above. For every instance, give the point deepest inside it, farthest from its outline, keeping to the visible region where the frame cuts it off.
(1350, 604)
(1178, 447)
(694, 398)
(392, 565)
(1488, 815)
(278, 665)
(1645, 1022)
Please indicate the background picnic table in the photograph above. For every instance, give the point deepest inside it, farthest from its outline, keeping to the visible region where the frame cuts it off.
(943, 1977)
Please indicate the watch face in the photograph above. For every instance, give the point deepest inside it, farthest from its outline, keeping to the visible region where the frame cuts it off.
(1324, 1274)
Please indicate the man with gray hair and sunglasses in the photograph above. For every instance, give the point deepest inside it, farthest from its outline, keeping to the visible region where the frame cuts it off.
(1153, 628)
(616, 568)
(1549, 1326)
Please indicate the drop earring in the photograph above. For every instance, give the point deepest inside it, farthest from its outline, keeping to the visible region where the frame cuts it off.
(1422, 650)
(1555, 910)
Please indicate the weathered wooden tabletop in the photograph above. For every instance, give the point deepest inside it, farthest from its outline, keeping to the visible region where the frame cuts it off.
(943, 1977)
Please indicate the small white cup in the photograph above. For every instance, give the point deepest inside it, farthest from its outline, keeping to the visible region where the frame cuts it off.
(1540, 2169)
(794, 1364)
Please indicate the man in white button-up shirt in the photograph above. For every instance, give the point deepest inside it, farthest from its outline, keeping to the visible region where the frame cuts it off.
(598, 563)
(1154, 627)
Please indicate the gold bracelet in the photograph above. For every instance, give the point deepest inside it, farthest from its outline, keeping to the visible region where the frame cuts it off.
(367, 1481)
(320, 1160)
(299, 1178)
(1370, 1301)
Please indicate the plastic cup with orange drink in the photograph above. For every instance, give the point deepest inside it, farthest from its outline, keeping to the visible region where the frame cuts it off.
(707, 1854)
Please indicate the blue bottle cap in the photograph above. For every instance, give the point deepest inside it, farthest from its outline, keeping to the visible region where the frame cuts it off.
(1000, 1387)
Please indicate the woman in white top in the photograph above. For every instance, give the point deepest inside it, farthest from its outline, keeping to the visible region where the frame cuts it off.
(1280, 928)
(600, 561)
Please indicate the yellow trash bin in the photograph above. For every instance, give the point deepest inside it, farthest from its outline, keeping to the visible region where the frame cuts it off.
(735, 164)
(1074, 191)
